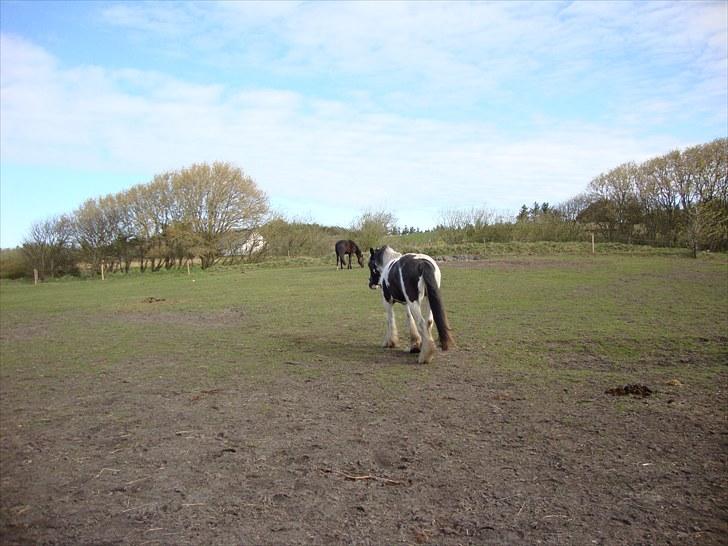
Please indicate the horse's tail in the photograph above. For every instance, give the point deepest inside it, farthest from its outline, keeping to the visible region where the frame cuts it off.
(437, 307)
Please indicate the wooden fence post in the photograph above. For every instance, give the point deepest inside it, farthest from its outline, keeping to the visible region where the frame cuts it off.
(102, 271)
(35, 276)
(593, 249)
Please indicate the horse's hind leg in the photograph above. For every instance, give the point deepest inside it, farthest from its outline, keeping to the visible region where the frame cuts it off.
(427, 315)
(415, 339)
(424, 325)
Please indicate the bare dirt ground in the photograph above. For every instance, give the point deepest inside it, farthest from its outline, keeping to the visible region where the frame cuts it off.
(325, 451)
(462, 456)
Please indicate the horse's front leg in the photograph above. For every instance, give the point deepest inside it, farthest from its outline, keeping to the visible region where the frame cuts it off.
(415, 339)
(349, 261)
(391, 339)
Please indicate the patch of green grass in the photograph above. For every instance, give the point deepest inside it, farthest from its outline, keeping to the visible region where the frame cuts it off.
(393, 379)
(610, 313)
(435, 246)
(547, 318)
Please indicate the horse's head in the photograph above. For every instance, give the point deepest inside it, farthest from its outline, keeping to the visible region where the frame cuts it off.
(375, 267)
(378, 260)
(359, 258)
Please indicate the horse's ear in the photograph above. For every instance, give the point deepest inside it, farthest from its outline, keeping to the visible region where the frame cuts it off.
(371, 251)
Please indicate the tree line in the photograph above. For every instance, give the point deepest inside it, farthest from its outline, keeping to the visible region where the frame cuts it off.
(677, 199)
(204, 211)
(210, 213)
(680, 198)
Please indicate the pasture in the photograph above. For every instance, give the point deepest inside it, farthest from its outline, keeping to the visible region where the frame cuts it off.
(256, 406)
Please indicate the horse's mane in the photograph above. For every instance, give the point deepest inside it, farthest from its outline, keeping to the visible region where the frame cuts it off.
(355, 248)
(388, 254)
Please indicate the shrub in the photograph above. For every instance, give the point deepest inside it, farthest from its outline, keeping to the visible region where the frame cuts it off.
(285, 238)
(12, 264)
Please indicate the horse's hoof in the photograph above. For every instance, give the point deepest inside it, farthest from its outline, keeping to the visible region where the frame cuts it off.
(414, 350)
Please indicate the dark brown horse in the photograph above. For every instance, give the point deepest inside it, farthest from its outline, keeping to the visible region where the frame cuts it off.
(345, 247)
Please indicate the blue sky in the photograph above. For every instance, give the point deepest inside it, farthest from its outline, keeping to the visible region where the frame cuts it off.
(336, 108)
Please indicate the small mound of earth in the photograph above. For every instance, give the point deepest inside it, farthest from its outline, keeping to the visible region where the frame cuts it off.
(636, 390)
(152, 299)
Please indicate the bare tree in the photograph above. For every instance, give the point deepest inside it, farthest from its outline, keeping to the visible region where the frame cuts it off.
(125, 244)
(701, 183)
(570, 209)
(151, 210)
(49, 248)
(219, 203)
(659, 199)
(710, 163)
(93, 233)
(618, 188)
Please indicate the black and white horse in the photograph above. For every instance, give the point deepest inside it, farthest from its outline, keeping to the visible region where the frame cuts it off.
(344, 247)
(414, 280)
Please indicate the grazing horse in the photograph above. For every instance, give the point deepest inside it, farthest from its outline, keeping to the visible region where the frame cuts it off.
(414, 280)
(343, 248)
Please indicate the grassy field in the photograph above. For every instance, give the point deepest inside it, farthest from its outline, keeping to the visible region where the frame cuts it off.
(280, 355)
(515, 313)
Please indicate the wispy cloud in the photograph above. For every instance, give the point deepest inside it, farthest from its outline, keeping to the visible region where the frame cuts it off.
(296, 146)
(460, 53)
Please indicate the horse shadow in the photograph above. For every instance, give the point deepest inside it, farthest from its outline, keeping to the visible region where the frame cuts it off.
(346, 352)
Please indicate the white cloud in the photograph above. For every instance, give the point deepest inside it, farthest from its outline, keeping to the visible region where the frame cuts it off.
(296, 147)
(153, 18)
(454, 54)
(436, 106)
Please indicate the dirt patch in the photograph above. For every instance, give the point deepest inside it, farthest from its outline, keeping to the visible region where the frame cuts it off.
(26, 332)
(201, 318)
(327, 453)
